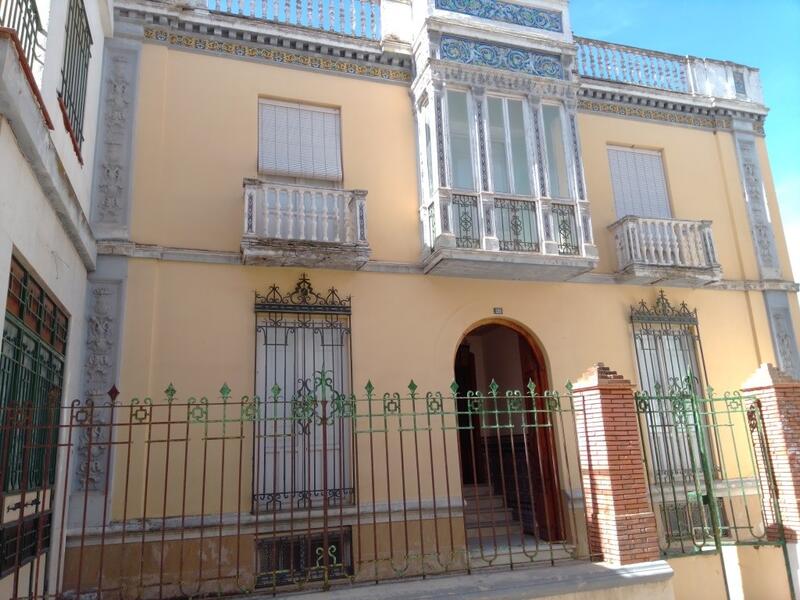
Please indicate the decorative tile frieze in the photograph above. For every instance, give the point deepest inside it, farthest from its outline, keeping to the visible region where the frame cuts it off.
(446, 71)
(279, 56)
(112, 173)
(507, 12)
(509, 58)
(653, 114)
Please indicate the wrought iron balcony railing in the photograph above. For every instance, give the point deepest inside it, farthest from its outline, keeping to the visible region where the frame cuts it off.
(23, 17)
(485, 227)
(646, 247)
(352, 18)
(671, 72)
(75, 71)
(291, 224)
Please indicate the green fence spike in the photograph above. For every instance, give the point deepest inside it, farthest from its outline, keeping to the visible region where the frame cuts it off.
(170, 392)
(493, 387)
(454, 388)
(225, 391)
(369, 388)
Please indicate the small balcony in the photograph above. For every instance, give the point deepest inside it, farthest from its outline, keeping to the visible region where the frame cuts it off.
(507, 237)
(298, 225)
(667, 251)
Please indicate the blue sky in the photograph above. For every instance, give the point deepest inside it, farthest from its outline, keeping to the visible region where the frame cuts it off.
(759, 33)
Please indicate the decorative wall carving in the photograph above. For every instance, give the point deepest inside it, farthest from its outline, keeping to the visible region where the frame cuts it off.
(112, 175)
(506, 12)
(783, 337)
(100, 375)
(509, 58)
(760, 226)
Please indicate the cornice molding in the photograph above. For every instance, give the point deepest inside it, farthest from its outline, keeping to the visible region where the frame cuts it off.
(271, 43)
(675, 111)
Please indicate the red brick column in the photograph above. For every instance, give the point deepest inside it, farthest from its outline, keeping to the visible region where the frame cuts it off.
(622, 526)
(778, 396)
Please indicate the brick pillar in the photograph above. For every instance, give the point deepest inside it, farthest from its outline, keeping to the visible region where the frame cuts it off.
(621, 523)
(778, 397)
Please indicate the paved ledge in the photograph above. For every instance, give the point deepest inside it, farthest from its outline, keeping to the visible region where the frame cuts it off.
(225, 257)
(524, 584)
(18, 104)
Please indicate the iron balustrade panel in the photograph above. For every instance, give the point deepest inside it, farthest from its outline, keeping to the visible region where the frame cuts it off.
(466, 223)
(517, 225)
(566, 229)
(74, 72)
(23, 17)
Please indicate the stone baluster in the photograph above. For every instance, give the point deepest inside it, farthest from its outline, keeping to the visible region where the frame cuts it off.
(300, 216)
(331, 13)
(376, 11)
(321, 13)
(264, 9)
(674, 239)
(361, 215)
(362, 10)
(353, 13)
(340, 26)
(278, 214)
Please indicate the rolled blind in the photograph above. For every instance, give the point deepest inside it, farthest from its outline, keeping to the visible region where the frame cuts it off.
(640, 188)
(299, 141)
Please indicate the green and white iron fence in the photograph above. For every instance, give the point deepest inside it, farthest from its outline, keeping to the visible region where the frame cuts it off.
(709, 484)
(177, 496)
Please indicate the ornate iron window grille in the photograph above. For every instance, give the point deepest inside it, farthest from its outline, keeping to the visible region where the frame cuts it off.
(566, 229)
(465, 221)
(75, 71)
(23, 17)
(303, 371)
(517, 225)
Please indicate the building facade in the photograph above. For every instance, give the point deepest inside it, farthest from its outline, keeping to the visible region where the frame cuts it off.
(327, 266)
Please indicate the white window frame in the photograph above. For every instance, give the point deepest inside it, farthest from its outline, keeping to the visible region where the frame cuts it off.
(330, 181)
(473, 139)
(529, 150)
(567, 144)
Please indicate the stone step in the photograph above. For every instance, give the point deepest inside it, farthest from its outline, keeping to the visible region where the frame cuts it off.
(503, 554)
(499, 532)
(469, 490)
(482, 503)
(496, 516)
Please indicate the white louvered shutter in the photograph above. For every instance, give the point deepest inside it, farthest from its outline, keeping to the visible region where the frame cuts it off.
(640, 188)
(299, 141)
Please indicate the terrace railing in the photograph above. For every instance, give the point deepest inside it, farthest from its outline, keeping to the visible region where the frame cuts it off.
(352, 18)
(626, 64)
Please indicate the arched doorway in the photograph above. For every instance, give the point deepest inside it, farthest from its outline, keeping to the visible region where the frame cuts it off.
(506, 443)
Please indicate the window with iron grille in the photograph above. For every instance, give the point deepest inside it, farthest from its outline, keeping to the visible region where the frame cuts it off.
(75, 71)
(304, 558)
(303, 374)
(692, 520)
(31, 378)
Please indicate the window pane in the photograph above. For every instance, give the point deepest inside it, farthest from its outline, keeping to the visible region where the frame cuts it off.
(519, 151)
(460, 156)
(497, 146)
(556, 153)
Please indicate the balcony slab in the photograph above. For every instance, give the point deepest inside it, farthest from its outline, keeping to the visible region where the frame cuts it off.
(524, 266)
(691, 277)
(296, 253)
